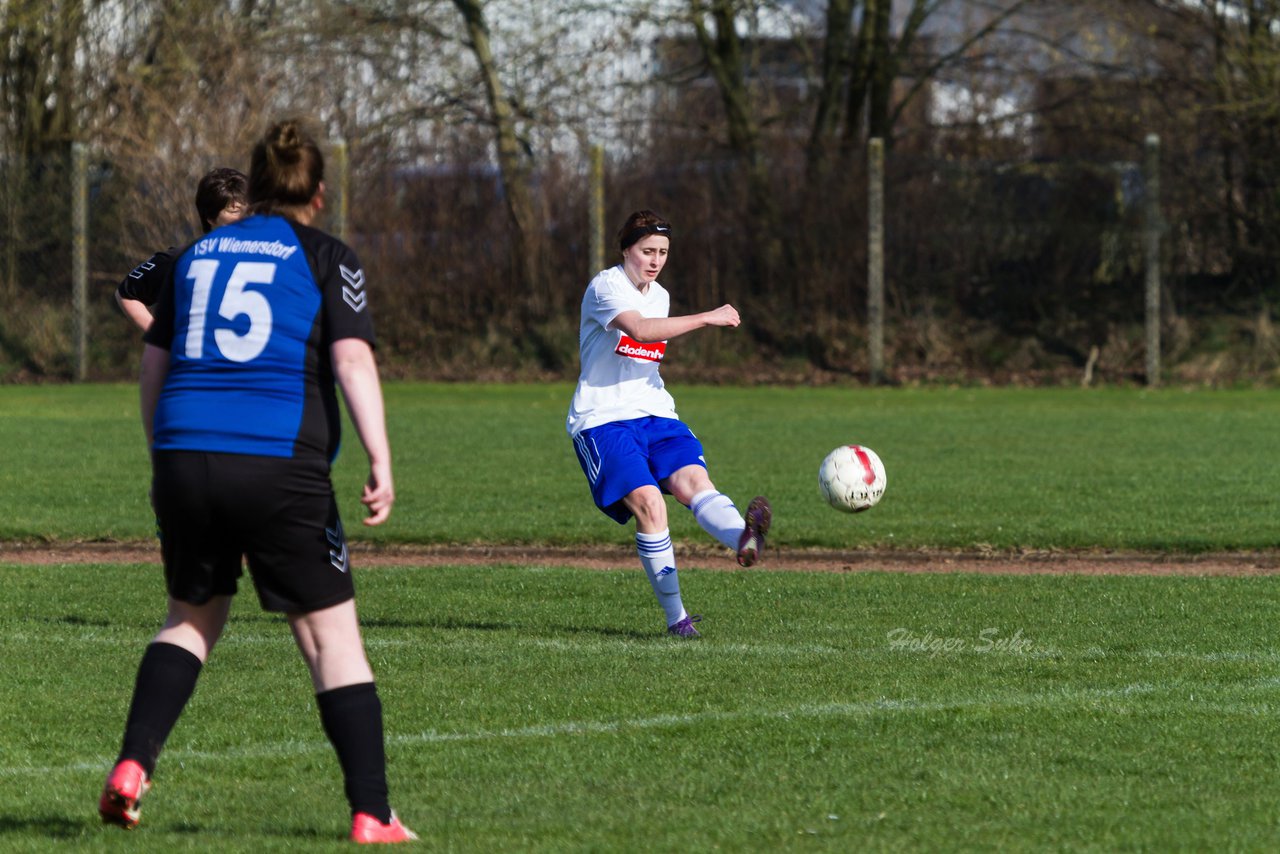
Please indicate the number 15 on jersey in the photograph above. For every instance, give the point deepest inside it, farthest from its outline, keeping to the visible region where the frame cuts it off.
(237, 301)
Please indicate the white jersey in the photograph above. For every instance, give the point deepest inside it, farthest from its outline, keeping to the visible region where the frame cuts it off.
(619, 379)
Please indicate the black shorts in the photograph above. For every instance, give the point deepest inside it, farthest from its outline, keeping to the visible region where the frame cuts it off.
(215, 509)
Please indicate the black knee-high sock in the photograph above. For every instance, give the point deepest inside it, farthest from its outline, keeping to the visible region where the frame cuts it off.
(166, 677)
(352, 718)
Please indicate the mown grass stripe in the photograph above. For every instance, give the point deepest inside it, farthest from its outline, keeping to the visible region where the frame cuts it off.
(890, 706)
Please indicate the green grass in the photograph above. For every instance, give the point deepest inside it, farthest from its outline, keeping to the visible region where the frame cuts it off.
(1004, 468)
(540, 709)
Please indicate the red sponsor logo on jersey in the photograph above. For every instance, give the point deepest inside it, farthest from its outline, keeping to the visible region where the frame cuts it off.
(654, 352)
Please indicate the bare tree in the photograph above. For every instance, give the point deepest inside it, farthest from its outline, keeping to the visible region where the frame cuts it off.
(1246, 78)
(867, 64)
(467, 121)
(514, 153)
(715, 25)
(39, 79)
(1209, 71)
(39, 119)
(187, 91)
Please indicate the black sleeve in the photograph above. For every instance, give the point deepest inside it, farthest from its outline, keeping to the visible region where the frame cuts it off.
(160, 333)
(343, 294)
(145, 280)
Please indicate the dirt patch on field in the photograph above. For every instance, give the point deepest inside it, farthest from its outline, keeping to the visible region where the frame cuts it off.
(782, 559)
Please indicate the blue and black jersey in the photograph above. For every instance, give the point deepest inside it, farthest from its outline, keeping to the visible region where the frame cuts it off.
(252, 311)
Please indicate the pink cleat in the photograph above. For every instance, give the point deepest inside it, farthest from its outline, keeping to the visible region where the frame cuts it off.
(367, 830)
(125, 787)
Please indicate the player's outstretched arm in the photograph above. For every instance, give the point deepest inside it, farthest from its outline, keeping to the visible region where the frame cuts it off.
(647, 329)
(357, 375)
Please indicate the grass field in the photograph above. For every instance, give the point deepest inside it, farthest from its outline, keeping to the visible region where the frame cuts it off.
(998, 468)
(536, 709)
(540, 708)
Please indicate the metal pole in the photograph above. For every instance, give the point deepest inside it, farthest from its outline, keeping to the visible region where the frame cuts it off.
(875, 259)
(596, 214)
(14, 170)
(1152, 227)
(80, 255)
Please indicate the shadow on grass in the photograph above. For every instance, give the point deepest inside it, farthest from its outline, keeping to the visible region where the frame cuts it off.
(60, 827)
(607, 632)
(72, 620)
(54, 826)
(243, 833)
(483, 626)
(65, 828)
(449, 625)
(471, 625)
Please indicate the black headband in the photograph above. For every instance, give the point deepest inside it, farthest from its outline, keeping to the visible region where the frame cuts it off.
(634, 235)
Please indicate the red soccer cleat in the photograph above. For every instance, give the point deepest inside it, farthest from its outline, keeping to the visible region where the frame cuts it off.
(367, 830)
(126, 784)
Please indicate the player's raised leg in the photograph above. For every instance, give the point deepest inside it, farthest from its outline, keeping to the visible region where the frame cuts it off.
(716, 513)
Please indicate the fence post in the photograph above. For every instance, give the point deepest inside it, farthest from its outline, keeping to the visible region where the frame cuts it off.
(1152, 226)
(875, 258)
(596, 214)
(341, 167)
(10, 191)
(80, 255)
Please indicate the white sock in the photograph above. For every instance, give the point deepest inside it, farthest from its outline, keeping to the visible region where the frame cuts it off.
(718, 517)
(658, 557)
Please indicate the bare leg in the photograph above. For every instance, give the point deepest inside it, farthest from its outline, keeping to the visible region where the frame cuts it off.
(329, 640)
(649, 508)
(195, 628)
(684, 483)
(350, 709)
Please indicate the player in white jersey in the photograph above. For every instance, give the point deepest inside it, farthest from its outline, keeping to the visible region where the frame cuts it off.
(631, 444)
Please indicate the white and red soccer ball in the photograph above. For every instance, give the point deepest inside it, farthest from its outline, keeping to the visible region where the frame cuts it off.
(851, 478)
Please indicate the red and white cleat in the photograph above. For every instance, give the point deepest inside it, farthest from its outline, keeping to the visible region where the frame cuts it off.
(367, 830)
(126, 784)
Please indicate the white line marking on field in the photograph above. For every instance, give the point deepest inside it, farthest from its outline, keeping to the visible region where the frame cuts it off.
(575, 646)
(868, 708)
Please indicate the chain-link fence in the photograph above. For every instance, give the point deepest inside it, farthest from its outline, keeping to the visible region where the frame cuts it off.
(989, 271)
(72, 227)
(37, 267)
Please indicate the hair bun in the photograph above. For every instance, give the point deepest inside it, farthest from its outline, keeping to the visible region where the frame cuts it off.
(287, 141)
(286, 168)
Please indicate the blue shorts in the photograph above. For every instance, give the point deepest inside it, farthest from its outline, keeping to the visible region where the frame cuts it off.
(623, 456)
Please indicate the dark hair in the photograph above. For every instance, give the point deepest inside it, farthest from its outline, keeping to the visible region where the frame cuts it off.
(639, 226)
(217, 190)
(285, 170)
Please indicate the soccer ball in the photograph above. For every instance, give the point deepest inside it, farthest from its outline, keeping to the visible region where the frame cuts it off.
(852, 479)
